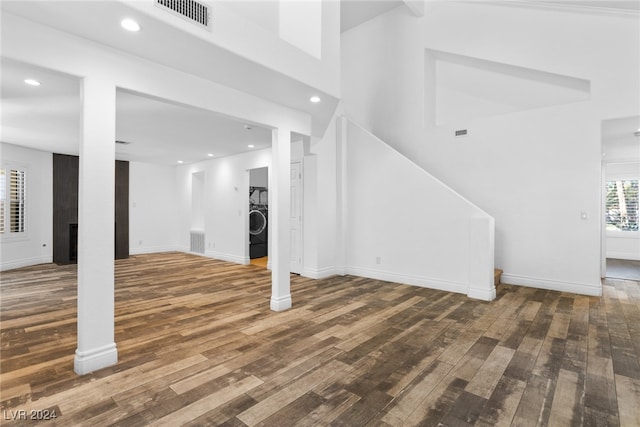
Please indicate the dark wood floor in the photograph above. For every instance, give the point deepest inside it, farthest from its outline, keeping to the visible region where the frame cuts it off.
(198, 345)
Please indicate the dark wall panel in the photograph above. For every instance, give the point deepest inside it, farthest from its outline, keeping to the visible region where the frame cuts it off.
(122, 209)
(65, 208)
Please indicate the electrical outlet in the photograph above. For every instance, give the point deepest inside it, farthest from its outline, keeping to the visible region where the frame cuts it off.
(378, 260)
(139, 242)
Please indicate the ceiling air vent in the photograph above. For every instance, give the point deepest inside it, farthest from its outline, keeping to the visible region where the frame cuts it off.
(122, 142)
(191, 10)
(461, 132)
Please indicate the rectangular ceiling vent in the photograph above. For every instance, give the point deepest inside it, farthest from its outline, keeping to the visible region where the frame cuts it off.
(193, 11)
(461, 132)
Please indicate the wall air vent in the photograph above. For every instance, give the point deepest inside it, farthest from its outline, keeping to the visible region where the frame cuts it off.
(194, 11)
(461, 132)
(122, 142)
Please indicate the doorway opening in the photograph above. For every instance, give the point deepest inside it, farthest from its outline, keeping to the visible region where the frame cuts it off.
(259, 216)
(620, 200)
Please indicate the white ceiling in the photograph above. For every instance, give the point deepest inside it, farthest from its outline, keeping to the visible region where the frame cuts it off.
(160, 132)
(44, 117)
(47, 118)
(356, 12)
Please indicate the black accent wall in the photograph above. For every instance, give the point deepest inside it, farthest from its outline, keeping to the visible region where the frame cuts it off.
(65, 209)
(122, 210)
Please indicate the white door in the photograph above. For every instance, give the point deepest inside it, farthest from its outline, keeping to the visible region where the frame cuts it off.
(296, 217)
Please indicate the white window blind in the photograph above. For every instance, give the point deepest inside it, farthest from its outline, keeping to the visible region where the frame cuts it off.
(622, 205)
(3, 198)
(17, 191)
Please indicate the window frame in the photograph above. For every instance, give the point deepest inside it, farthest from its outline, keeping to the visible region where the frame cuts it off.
(624, 234)
(7, 235)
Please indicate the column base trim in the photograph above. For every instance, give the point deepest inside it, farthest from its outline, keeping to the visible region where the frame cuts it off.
(482, 294)
(281, 303)
(94, 359)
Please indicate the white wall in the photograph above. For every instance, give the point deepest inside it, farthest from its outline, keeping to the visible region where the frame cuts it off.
(535, 171)
(226, 204)
(404, 225)
(322, 233)
(35, 246)
(259, 177)
(314, 56)
(153, 215)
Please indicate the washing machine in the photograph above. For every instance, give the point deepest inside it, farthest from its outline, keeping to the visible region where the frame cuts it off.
(258, 225)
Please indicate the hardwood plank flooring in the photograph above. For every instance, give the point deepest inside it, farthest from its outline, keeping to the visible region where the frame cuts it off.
(198, 345)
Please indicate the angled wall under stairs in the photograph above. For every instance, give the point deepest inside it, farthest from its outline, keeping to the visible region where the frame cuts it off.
(404, 225)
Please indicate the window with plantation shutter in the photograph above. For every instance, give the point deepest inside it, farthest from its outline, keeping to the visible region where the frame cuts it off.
(17, 190)
(622, 205)
(3, 198)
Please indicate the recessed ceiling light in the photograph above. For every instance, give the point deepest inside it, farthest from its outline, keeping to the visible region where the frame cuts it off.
(130, 25)
(314, 99)
(180, 162)
(210, 155)
(32, 82)
(247, 127)
(250, 145)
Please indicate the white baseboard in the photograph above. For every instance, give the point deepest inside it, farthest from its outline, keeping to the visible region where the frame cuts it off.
(281, 303)
(227, 257)
(151, 249)
(94, 359)
(482, 294)
(553, 285)
(25, 262)
(319, 273)
(424, 282)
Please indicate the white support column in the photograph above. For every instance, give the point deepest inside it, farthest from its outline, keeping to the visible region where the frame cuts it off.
(341, 194)
(481, 258)
(96, 203)
(279, 190)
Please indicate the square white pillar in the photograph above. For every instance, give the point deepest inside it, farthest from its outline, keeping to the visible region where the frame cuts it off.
(96, 229)
(481, 257)
(280, 192)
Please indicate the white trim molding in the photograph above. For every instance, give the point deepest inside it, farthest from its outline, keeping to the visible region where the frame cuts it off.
(423, 282)
(320, 273)
(25, 262)
(97, 358)
(482, 294)
(151, 250)
(281, 303)
(623, 255)
(244, 260)
(553, 285)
